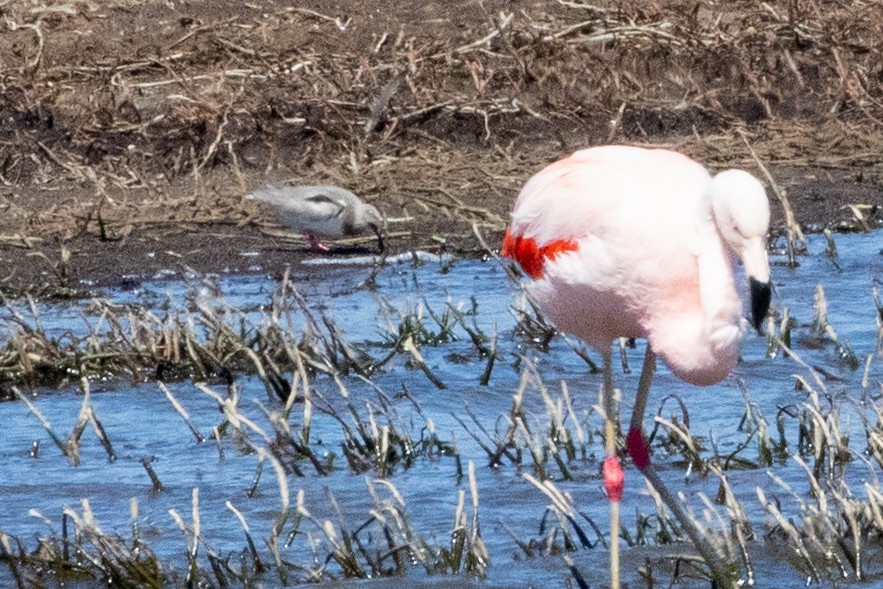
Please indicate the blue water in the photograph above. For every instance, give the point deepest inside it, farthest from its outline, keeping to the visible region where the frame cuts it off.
(141, 423)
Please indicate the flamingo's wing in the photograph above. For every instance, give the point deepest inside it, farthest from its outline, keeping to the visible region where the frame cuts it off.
(607, 189)
(616, 201)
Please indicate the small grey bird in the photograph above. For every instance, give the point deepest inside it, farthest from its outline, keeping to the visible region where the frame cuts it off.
(321, 211)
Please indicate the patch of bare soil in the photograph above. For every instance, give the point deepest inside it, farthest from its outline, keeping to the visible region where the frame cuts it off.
(131, 130)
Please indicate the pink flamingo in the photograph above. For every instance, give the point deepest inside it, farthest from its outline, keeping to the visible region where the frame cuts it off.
(632, 242)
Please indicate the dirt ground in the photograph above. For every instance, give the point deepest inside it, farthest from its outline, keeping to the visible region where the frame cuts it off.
(132, 130)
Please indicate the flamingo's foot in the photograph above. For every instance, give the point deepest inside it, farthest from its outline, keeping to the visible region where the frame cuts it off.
(638, 448)
(613, 478)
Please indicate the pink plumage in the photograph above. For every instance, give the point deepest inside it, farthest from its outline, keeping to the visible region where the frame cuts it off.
(631, 242)
(647, 261)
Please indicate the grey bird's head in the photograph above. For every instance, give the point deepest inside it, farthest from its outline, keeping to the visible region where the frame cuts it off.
(368, 217)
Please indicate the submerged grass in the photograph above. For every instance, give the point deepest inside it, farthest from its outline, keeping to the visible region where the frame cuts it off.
(82, 553)
(208, 339)
(829, 530)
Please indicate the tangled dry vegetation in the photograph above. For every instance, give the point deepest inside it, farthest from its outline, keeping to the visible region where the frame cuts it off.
(826, 535)
(435, 116)
(428, 112)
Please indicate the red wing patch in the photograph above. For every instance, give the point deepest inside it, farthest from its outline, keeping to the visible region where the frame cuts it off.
(531, 257)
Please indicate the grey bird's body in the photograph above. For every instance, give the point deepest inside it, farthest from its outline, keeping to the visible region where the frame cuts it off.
(321, 211)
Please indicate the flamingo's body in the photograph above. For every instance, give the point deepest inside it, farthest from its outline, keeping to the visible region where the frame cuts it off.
(631, 242)
(647, 259)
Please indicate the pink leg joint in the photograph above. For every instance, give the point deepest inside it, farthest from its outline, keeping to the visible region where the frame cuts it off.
(638, 448)
(613, 478)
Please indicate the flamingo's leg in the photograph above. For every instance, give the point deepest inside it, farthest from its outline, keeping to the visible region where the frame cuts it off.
(613, 477)
(639, 450)
(635, 441)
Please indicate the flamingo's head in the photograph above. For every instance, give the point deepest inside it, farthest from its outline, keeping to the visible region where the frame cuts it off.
(742, 213)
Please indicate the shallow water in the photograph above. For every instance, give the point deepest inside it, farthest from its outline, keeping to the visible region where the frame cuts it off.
(142, 424)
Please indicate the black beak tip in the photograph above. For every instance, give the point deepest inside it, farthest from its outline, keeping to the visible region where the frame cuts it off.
(761, 294)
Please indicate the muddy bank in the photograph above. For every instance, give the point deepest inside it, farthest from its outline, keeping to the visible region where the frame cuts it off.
(125, 160)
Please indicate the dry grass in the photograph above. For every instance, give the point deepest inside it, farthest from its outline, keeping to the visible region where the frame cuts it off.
(830, 532)
(441, 121)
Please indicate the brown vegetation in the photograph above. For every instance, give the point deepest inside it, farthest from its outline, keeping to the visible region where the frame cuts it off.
(135, 127)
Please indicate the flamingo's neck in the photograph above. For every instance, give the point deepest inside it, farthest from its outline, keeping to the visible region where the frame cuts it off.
(701, 345)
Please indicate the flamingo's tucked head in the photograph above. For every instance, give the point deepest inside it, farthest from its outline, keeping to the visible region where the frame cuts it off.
(742, 213)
